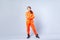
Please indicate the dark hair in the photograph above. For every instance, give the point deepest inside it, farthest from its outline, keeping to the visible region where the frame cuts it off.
(30, 10)
(28, 7)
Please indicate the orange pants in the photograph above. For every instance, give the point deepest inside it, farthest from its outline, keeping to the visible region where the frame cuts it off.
(30, 24)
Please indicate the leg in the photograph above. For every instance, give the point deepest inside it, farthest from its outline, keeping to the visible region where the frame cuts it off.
(33, 28)
(28, 29)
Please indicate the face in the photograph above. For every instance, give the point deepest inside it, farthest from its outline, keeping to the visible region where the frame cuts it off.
(28, 9)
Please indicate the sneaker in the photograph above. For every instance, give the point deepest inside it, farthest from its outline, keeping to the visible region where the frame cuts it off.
(28, 36)
(37, 36)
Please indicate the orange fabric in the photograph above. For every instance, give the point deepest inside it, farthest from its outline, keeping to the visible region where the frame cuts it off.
(30, 23)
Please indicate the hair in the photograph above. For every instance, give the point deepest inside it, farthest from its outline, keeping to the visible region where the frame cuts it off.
(30, 10)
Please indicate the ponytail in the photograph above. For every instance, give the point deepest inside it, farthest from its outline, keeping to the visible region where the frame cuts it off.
(31, 11)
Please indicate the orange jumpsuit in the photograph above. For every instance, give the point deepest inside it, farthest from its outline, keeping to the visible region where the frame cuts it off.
(30, 23)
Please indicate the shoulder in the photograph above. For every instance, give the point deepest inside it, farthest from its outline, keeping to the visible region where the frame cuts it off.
(26, 12)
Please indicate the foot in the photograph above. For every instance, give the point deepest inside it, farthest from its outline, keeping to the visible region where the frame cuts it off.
(37, 36)
(28, 36)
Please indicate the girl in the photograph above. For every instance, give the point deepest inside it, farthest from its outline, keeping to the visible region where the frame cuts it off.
(30, 22)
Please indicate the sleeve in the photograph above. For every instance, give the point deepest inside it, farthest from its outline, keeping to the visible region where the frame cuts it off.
(33, 16)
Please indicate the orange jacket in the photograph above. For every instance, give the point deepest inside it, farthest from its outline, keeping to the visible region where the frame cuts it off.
(29, 16)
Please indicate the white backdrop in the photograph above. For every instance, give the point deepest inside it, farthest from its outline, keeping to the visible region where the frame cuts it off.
(12, 16)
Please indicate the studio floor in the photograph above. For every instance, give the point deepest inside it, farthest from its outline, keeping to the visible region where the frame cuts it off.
(42, 37)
